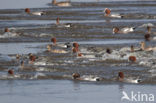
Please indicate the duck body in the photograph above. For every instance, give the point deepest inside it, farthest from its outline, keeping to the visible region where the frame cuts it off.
(124, 30)
(37, 13)
(108, 14)
(115, 16)
(61, 4)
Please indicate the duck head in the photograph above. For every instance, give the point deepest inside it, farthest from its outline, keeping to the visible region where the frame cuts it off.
(115, 30)
(57, 20)
(76, 75)
(10, 72)
(132, 58)
(53, 40)
(108, 51)
(32, 58)
(120, 76)
(76, 45)
(27, 10)
(6, 30)
(107, 11)
(147, 37)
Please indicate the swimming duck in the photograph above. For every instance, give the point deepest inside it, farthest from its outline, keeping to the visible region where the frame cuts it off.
(108, 14)
(67, 25)
(38, 13)
(65, 45)
(8, 34)
(123, 30)
(76, 76)
(49, 47)
(122, 78)
(64, 4)
(146, 49)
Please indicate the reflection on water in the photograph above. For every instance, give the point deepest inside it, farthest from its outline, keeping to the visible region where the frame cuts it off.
(20, 48)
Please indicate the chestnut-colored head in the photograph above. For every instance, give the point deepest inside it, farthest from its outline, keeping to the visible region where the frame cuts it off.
(27, 10)
(121, 75)
(76, 75)
(32, 58)
(115, 30)
(11, 72)
(147, 37)
(57, 20)
(108, 51)
(53, 40)
(132, 58)
(107, 11)
(76, 45)
(6, 30)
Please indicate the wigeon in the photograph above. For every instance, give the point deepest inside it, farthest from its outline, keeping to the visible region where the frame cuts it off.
(76, 76)
(49, 47)
(123, 30)
(38, 13)
(148, 48)
(108, 14)
(63, 4)
(122, 78)
(67, 25)
(8, 34)
(65, 45)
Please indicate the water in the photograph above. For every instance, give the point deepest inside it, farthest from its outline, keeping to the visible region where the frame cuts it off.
(49, 79)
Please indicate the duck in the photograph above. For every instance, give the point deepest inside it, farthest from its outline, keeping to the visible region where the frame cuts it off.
(8, 34)
(61, 4)
(124, 30)
(146, 49)
(66, 25)
(122, 78)
(76, 76)
(49, 47)
(37, 13)
(107, 12)
(65, 45)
